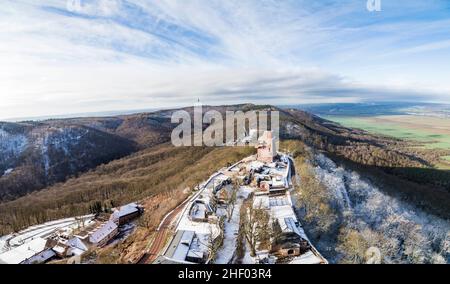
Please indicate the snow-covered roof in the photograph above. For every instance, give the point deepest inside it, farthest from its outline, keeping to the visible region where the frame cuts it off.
(127, 210)
(59, 249)
(166, 260)
(292, 225)
(279, 201)
(77, 244)
(287, 220)
(222, 177)
(307, 258)
(198, 248)
(103, 232)
(279, 182)
(179, 247)
(261, 202)
(23, 252)
(40, 257)
(199, 227)
(281, 212)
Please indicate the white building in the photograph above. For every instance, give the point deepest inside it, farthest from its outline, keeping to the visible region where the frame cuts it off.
(103, 234)
(186, 247)
(77, 246)
(125, 213)
(34, 251)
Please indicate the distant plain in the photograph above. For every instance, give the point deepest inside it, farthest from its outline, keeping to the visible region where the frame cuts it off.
(431, 132)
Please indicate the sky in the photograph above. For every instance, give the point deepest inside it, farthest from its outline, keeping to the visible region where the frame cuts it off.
(59, 57)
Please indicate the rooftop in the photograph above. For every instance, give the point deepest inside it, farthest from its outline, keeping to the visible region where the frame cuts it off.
(102, 232)
(23, 252)
(307, 258)
(126, 210)
(179, 246)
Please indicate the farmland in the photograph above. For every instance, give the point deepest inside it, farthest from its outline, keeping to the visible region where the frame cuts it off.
(433, 132)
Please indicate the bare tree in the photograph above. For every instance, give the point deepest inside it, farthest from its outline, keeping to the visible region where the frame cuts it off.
(214, 244)
(231, 199)
(255, 225)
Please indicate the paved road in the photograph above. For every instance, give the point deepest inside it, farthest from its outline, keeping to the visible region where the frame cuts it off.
(161, 235)
(163, 231)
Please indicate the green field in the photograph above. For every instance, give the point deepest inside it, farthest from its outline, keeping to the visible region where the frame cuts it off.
(409, 128)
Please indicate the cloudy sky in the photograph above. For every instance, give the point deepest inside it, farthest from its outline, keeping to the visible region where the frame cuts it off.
(61, 57)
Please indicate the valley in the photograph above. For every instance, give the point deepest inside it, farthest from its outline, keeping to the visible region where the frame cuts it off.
(96, 165)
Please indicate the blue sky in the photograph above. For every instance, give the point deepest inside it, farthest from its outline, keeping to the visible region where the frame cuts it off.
(60, 57)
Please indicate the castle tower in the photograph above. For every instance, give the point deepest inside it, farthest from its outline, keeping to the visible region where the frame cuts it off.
(266, 147)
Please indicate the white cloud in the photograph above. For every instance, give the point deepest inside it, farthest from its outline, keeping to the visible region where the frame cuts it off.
(111, 55)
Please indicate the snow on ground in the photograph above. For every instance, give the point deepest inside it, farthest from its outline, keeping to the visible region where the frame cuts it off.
(198, 210)
(44, 230)
(226, 252)
(244, 191)
(399, 222)
(306, 258)
(199, 227)
(247, 259)
(8, 171)
(231, 230)
(12, 143)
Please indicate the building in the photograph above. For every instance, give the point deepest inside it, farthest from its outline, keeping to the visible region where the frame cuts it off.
(200, 211)
(165, 260)
(61, 250)
(34, 251)
(289, 244)
(186, 247)
(126, 213)
(102, 235)
(76, 246)
(266, 147)
(309, 257)
(65, 245)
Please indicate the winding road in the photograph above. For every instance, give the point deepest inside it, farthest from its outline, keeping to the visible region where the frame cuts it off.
(163, 230)
(161, 235)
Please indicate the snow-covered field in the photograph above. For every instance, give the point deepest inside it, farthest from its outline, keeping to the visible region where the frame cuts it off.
(409, 233)
(42, 231)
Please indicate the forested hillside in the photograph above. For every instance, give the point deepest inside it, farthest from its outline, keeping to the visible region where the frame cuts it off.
(144, 174)
(38, 155)
(353, 220)
(35, 155)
